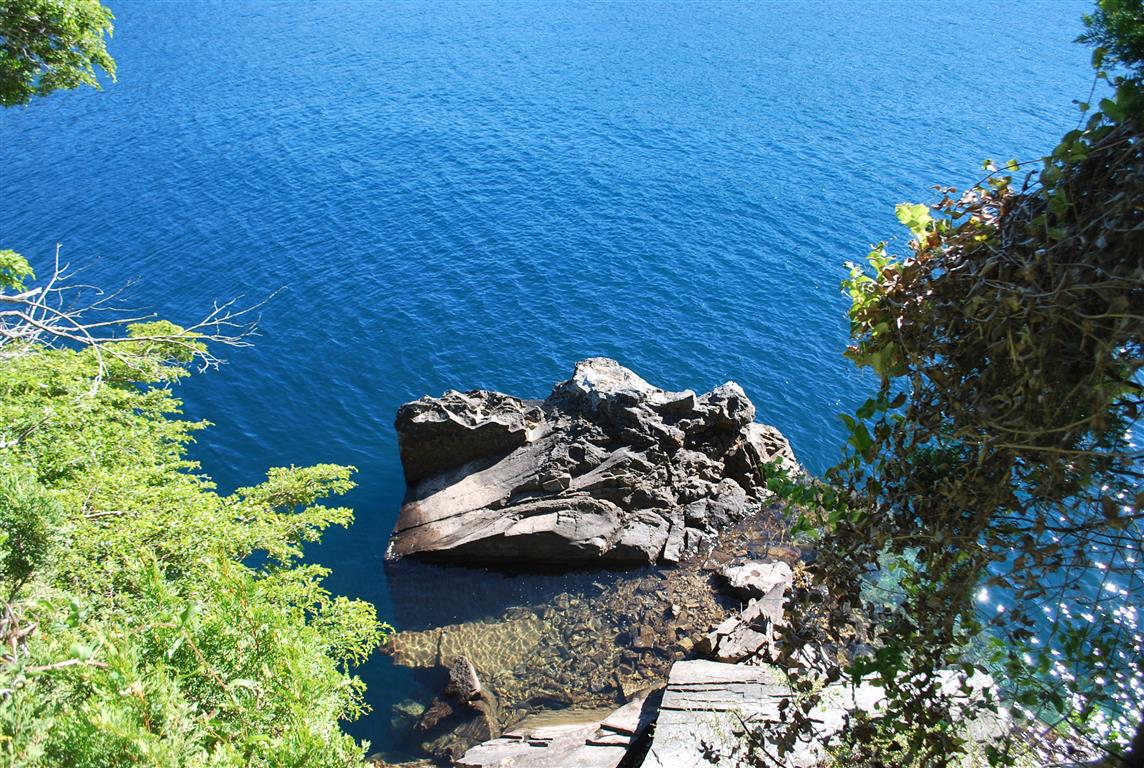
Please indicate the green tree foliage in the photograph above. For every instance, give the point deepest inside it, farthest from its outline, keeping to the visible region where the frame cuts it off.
(14, 269)
(147, 619)
(28, 518)
(1117, 27)
(996, 459)
(51, 45)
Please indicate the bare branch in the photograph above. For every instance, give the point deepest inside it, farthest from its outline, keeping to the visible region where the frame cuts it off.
(56, 314)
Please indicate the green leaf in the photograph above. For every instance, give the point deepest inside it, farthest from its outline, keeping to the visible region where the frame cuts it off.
(860, 438)
(14, 269)
(916, 217)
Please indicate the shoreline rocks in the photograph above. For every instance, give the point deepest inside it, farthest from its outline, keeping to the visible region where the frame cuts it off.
(749, 636)
(567, 742)
(713, 713)
(608, 470)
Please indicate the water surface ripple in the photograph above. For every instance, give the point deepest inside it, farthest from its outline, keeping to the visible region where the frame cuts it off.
(479, 194)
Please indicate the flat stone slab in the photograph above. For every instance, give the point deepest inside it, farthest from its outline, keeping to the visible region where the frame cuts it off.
(705, 706)
(706, 703)
(596, 744)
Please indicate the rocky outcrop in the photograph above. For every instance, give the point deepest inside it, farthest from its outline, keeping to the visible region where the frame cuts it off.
(607, 469)
(571, 743)
(451, 430)
(749, 636)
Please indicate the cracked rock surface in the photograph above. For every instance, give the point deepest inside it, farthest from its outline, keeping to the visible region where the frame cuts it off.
(609, 469)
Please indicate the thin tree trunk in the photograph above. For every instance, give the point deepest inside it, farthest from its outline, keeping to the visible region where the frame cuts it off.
(1134, 757)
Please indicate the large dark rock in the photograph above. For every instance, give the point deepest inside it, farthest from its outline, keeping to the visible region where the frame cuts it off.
(466, 714)
(608, 469)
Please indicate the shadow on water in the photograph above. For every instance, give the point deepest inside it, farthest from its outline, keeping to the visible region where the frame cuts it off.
(431, 595)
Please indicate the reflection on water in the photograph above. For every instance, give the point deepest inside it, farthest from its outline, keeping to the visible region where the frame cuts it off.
(427, 595)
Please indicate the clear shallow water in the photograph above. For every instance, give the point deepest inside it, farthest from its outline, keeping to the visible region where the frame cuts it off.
(477, 195)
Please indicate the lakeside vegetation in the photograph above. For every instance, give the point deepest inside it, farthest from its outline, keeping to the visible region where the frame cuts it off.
(137, 628)
(146, 618)
(150, 620)
(995, 471)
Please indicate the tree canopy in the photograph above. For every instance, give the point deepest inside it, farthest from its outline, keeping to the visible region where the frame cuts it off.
(137, 627)
(146, 619)
(51, 45)
(996, 469)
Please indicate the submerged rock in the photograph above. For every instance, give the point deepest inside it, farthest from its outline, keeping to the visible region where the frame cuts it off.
(465, 715)
(608, 469)
(464, 685)
(586, 649)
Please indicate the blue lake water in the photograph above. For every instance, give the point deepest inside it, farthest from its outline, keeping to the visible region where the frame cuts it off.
(479, 194)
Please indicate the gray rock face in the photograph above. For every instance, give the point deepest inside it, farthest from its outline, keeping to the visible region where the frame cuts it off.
(608, 469)
(749, 636)
(754, 579)
(700, 720)
(572, 743)
(706, 705)
(454, 429)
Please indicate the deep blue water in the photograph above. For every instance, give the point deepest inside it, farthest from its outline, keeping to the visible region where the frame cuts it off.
(479, 194)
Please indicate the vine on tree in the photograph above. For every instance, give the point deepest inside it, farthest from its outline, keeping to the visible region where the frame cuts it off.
(997, 459)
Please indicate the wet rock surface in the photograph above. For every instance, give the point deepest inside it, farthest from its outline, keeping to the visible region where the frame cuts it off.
(607, 470)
